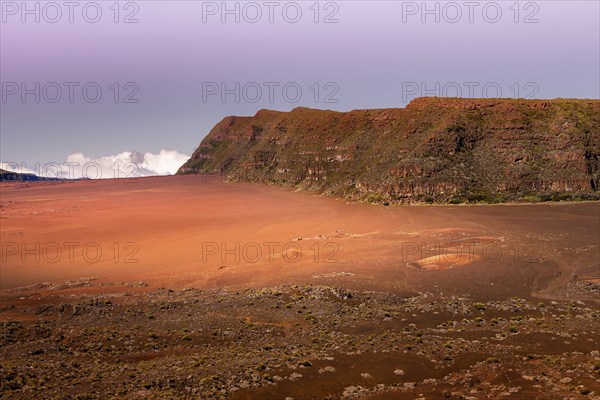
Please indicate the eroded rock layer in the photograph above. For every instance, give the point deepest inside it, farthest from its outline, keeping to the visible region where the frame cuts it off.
(434, 150)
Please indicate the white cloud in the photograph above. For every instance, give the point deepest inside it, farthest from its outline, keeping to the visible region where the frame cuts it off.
(128, 164)
(16, 167)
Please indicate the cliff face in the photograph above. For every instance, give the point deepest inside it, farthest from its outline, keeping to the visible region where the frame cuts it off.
(435, 149)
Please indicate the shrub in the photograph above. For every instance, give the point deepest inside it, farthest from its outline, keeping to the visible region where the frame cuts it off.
(531, 199)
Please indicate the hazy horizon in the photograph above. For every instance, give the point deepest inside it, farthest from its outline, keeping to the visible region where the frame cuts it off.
(163, 68)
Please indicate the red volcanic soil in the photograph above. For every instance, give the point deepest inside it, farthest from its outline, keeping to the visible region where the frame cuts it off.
(186, 287)
(194, 231)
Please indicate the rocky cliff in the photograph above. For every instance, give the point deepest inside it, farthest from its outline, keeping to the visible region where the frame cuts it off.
(434, 150)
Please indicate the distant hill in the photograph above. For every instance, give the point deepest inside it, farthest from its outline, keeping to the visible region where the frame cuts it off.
(16, 176)
(434, 150)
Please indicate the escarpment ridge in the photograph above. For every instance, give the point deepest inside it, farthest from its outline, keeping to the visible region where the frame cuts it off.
(434, 150)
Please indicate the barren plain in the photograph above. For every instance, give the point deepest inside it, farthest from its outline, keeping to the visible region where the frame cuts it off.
(189, 287)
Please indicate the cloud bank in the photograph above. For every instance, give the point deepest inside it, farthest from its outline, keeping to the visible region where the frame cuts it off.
(128, 164)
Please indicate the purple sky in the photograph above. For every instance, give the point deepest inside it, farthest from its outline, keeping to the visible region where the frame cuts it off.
(374, 56)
